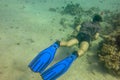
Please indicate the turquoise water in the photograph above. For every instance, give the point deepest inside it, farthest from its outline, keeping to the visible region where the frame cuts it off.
(28, 26)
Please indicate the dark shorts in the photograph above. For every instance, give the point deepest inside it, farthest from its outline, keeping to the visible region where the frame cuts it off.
(83, 37)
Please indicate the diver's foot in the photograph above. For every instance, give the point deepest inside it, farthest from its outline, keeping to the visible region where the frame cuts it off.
(58, 42)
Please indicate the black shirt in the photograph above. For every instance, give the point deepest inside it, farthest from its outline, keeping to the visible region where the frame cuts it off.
(90, 28)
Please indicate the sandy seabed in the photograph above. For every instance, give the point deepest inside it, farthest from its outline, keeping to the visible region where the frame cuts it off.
(27, 27)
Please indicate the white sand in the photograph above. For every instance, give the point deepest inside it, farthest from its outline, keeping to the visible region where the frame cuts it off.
(27, 27)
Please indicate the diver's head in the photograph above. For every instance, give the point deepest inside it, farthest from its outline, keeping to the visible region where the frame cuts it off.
(97, 18)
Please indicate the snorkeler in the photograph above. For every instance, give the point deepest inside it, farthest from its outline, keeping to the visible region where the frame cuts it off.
(87, 31)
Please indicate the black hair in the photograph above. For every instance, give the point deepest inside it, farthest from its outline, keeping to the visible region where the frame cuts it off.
(97, 18)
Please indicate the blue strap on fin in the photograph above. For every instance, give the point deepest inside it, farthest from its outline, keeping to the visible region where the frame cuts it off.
(59, 68)
(44, 58)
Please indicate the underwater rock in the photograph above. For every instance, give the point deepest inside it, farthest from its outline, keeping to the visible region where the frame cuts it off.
(109, 52)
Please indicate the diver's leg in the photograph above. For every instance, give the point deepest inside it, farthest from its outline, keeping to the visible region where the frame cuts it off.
(69, 43)
(83, 48)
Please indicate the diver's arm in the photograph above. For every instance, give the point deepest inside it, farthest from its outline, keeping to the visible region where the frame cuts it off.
(78, 28)
(96, 35)
(104, 36)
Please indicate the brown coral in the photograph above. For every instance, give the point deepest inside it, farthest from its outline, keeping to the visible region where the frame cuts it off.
(109, 52)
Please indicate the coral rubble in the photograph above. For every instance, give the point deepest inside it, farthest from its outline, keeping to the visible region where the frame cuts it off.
(109, 52)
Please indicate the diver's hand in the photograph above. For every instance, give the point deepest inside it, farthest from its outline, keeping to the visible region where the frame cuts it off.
(104, 36)
(78, 28)
(96, 36)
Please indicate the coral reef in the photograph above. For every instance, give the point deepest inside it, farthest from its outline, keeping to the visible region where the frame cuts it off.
(116, 20)
(78, 13)
(77, 21)
(65, 22)
(72, 9)
(113, 19)
(109, 52)
(118, 40)
(111, 22)
(77, 10)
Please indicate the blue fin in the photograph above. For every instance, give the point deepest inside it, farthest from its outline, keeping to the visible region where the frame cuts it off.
(59, 68)
(44, 58)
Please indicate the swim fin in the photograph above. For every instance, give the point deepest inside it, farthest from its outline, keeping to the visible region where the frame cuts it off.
(44, 58)
(59, 68)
